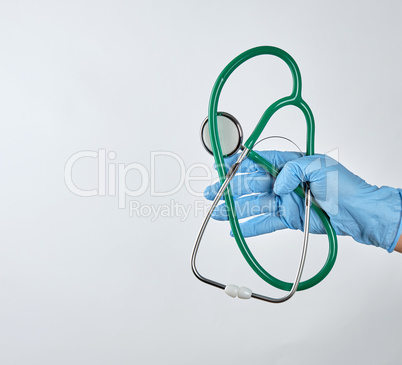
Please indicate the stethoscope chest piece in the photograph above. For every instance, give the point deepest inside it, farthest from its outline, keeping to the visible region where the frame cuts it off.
(229, 131)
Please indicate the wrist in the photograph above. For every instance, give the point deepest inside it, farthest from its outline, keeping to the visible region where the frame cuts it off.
(397, 244)
(398, 247)
(381, 218)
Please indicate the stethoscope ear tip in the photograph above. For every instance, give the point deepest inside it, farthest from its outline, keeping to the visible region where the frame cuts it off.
(234, 291)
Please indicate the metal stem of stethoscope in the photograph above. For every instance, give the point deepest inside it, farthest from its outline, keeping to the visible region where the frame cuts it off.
(231, 173)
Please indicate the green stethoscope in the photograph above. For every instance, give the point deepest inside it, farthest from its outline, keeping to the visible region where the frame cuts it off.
(218, 125)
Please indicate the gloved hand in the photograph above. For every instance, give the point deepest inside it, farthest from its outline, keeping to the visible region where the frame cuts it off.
(369, 214)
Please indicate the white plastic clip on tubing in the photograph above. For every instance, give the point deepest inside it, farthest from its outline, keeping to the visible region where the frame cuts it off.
(234, 291)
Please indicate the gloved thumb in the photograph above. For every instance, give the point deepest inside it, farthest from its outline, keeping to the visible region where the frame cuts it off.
(294, 173)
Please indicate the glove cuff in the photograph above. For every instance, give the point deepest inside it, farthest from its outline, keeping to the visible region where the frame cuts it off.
(399, 231)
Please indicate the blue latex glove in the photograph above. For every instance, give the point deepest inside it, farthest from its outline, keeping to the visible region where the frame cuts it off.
(369, 214)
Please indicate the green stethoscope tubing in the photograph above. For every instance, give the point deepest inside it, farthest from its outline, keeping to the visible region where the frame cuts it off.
(296, 100)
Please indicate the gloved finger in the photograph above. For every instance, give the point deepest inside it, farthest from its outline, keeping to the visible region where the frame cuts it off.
(276, 158)
(262, 224)
(298, 171)
(248, 206)
(258, 182)
(279, 158)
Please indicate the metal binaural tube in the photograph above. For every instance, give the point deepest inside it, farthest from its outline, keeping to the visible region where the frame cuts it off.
(296, 282)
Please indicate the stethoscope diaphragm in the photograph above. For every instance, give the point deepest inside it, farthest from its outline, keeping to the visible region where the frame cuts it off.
(229, 131)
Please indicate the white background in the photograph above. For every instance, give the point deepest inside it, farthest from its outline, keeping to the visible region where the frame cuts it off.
(82, 282)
